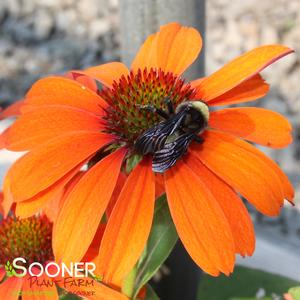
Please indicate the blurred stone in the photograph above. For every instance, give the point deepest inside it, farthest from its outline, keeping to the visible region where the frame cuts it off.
(28, 7)
(269, 34)
(64, 18)
(114, 4)
(13, 7)
(98, 28)
(91, 9)
(43, 24)
(292, 38)
(51, 3)
(40, 37)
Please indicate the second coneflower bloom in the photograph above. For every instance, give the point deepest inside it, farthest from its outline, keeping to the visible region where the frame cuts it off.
(67, 123)
(30, 240)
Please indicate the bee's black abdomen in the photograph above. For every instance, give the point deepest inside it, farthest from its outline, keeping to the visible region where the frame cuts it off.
(154, 138)
(165, 158)
(150, 141)
(169, 140)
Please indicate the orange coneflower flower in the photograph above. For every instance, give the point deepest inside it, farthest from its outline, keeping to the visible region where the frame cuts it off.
(66, 124)
(31, 239)
(12, 110)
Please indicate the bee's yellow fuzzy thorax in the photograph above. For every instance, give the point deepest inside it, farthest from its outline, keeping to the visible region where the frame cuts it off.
(202, 108)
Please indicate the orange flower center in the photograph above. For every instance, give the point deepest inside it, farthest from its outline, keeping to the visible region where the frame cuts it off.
(126, 116)
(28, 238)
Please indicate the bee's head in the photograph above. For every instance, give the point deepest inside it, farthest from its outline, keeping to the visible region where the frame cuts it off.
(198, 105)
(202, 108)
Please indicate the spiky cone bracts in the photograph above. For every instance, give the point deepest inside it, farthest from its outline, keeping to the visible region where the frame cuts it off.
(68, 123)
(29, 239)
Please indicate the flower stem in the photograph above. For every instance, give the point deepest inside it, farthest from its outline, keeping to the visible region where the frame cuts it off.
(129, 283)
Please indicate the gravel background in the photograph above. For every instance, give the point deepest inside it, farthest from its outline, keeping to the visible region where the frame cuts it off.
(40, 37)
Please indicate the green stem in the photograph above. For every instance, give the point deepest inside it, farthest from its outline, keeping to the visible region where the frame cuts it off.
(129, 283)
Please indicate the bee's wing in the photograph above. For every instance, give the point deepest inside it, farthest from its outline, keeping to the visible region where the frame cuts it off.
(154, 138)
(166, 157)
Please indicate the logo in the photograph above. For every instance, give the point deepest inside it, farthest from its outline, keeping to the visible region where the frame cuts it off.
(10, 271)
(51, 269)
(74, 275)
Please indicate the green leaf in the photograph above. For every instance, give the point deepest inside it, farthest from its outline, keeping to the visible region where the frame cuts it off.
(69, 297)
(243, 283)
(7, 265)
(251, 298)
(9, 269)
(132, 162)
(150, 294)
(128, 284)
(295, 292)
(162, 239)
(64, 295)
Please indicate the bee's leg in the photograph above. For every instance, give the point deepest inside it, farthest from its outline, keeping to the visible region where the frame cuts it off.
(155, 110)
(198, 139)
(170, 106)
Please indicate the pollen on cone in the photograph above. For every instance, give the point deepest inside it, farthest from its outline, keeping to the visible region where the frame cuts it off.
(29, 238)
(125, 116)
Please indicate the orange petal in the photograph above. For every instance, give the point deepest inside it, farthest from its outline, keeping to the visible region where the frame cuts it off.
(165, 38)
(183, 51)
(288, 297)
(43, 166)
(173, 49)
(71, 184)
(30, 207)
(38, 126)
(34, 289)
(53, 194)
(2, 140)
(118, 188)
(258, 125)
(128, 226)
(146, 56)
(83, 79)
(2, 273)
(239, 70)
(84, 208)
(8, 199)
(254, 178)
(94, 247)
(1, 212)
(250, 90)
(63, 91)
(286, 185)
(52, 208)
(108, 73)
(12, 110)
(200, 221)
(159, 185)
(232, 206)
(195, 83)
(10, 288)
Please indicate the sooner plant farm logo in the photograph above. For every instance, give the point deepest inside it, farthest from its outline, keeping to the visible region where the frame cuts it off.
(10, 271)
(51, 269)
(78, 277)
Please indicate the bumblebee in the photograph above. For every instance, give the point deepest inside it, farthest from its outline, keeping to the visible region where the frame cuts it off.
(168, 140)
